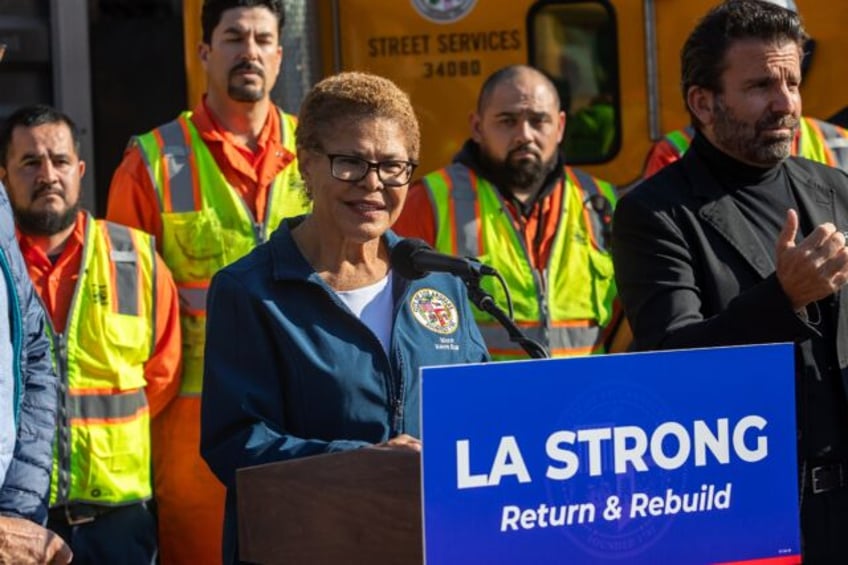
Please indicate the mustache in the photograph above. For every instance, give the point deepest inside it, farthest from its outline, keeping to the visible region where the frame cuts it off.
(249, 67)
(525, 147)
(46, 188)
(778, 121)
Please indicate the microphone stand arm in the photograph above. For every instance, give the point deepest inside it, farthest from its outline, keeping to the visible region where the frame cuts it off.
(486, 303)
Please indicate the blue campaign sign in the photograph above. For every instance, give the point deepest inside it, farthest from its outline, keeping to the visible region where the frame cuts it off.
(683, 457)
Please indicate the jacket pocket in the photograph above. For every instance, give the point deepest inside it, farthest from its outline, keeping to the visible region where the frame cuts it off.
(193, 244)
(113, 350)
(118, 466)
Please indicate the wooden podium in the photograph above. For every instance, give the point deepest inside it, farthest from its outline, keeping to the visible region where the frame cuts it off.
(361, 506)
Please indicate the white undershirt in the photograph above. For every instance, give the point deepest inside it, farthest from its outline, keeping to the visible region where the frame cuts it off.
(372, 304)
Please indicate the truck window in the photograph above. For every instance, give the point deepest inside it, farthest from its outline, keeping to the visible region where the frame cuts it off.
(575, 44)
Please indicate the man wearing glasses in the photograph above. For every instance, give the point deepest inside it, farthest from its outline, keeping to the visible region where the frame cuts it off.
(509, 200)
(210, 186)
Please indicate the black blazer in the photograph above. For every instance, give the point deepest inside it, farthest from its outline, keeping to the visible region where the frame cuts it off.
(692, 273)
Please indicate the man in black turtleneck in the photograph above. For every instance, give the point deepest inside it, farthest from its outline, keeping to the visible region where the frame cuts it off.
(739, 243)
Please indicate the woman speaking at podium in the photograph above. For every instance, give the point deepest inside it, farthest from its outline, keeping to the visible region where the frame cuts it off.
(313, 343)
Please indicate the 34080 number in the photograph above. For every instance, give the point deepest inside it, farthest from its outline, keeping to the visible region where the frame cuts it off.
(442, 69)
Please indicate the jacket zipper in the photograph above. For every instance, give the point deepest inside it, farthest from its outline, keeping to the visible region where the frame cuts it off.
(396, 375)
(397, 420)
(63, 445)
(258, 232)
(396, 390)
(258, 227)
(17, 337)
(60, 344)
(541, 277)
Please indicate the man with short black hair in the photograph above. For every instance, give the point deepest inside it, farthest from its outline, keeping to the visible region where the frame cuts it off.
(114, 323)
(814, 139)
(210, 185)
(27, 410)
(740, 243)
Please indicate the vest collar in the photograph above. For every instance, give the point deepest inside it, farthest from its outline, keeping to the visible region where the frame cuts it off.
(469, 156)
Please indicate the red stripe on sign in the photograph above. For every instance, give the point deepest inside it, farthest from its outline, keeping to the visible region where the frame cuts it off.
(783, 560)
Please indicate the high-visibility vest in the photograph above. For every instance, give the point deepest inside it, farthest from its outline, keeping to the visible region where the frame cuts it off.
(681, 139)
(565, 307)
(823, 142)
(816, 140)
(102, 447)
(206, 224)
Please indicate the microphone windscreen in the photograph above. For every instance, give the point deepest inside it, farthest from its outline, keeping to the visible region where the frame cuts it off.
(402, 257)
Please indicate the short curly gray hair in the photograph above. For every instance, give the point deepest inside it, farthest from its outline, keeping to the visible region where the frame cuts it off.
(355, 95)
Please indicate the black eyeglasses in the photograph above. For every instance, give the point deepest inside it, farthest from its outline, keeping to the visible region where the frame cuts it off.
(350, 168)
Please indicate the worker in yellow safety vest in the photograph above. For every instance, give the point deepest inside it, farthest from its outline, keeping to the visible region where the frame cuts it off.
(116, 341)
(210, 185)
(509, 200)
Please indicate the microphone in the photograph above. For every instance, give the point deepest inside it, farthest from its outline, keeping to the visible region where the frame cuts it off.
(414, 258)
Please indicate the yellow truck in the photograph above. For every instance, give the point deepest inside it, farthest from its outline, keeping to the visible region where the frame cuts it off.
(615, 63)
(116, 65)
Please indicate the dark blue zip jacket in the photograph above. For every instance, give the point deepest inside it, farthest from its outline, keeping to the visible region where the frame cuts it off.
(290, 371)
(24, 490)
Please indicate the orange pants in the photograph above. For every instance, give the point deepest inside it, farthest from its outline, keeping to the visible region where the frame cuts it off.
(189, 497)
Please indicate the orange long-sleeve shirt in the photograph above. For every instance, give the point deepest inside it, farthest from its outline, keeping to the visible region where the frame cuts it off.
(133, 200)
(56, 283)
(662, 154)
(190, 498)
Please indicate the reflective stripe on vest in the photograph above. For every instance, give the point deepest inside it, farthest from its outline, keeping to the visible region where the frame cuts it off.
(180, 184)
(681, 139)
(836, 139)
(564, 341)
(472, 220)
(125, 258)
(824, 142)
(103, 444)
(811, 143)
(110, 407)
(464, 202)
(205, 223)
(193, 299)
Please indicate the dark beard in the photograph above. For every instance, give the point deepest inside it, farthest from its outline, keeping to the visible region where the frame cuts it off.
(746, 142)
(245, 93)
(525, 174)
(45, 223)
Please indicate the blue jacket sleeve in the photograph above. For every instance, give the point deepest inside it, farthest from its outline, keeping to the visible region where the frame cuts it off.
(243, 406)
(25, 489)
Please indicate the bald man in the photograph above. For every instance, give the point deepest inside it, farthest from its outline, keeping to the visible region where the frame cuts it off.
(551, 241)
